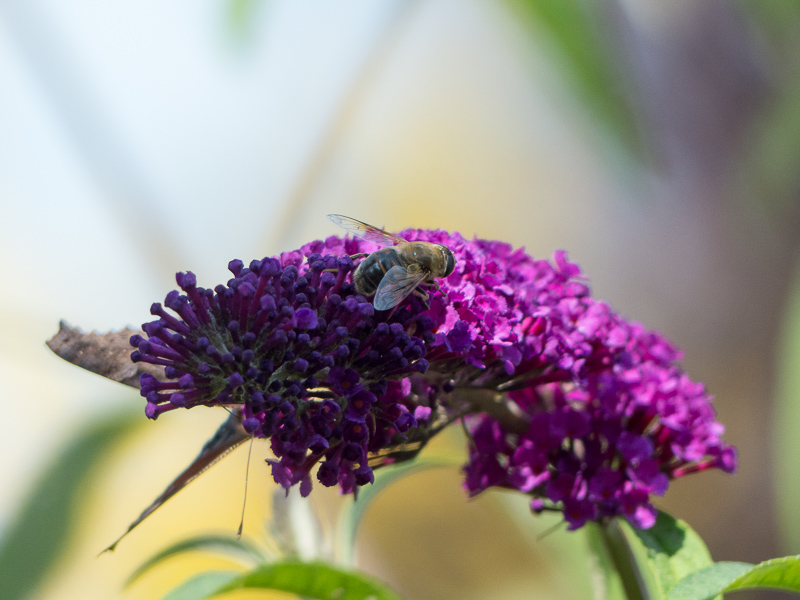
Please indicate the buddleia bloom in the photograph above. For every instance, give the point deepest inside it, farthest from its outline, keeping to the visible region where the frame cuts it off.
(563, 399)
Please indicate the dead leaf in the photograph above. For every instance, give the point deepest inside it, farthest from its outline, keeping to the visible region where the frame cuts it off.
(107, 354)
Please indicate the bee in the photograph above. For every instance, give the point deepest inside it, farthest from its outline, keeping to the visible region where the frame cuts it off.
(394, 272)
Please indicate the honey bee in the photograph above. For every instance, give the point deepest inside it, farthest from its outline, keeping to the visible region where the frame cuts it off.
(394, 272)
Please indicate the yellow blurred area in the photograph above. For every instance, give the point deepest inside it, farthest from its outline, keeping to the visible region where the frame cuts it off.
(423, 525)
(129, 479)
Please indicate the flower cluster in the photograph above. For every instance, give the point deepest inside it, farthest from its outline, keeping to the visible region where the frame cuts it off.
(307, 360)
(564, 400)
(600, 444)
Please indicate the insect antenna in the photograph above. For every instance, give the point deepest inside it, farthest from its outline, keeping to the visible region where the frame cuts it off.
(246, 477)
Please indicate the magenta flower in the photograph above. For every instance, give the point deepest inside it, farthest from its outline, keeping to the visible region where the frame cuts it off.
(565, 400)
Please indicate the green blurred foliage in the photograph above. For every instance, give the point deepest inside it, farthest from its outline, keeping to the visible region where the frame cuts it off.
(769, 178)
(770, 174)
(234, 548)
(786, 442)
(575, 30)
(780, 25)
(240, 15)
(44, 526)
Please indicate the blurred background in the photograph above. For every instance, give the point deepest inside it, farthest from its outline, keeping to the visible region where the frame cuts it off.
(659, 143)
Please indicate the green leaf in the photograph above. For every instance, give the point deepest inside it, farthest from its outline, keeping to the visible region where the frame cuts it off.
(351, 518)
(207, 543)
(708, 583)
(42, 529)
(312, 580)
(203, 585)
(778, 573)
(574, 28)
(668, 551)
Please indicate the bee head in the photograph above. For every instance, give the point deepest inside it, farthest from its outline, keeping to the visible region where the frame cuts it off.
(449, 260)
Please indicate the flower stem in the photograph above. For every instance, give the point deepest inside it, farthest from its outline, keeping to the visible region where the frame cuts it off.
(621, 556)
(491, 403)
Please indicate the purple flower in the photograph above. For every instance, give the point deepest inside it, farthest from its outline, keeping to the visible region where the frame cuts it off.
(359, 406)
(565, 400)
(344, 381)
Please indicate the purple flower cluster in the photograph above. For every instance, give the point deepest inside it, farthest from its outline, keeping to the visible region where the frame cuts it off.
(565, 400)
(308, 362)
(609, 418)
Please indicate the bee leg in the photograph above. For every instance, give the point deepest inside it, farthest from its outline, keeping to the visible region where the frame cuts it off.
(438, 289)
(425, 295)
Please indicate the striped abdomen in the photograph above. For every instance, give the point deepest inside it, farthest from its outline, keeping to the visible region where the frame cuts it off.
(371, 270)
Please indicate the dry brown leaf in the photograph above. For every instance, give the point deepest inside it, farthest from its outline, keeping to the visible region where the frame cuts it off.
(107, 354)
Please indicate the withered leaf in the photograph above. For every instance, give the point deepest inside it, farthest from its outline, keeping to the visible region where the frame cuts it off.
(107, 354)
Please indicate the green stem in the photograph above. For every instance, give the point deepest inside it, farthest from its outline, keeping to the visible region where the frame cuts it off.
(490, 402)
(621, 556)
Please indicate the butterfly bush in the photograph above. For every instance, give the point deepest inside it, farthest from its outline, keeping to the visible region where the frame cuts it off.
(563, 399)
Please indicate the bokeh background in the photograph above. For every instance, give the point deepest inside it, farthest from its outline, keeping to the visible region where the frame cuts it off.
(658, 142)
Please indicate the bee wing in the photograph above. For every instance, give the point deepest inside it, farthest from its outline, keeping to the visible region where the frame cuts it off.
(365, 231)
(396, 285)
